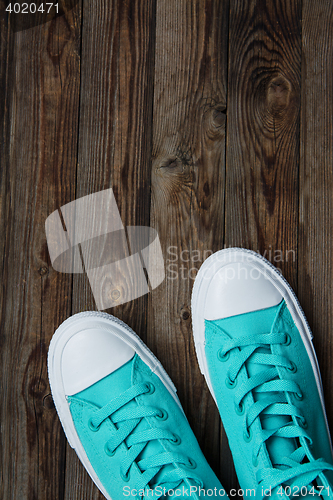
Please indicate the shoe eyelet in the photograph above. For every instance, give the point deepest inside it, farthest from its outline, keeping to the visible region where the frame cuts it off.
(255, 461)
(292, 368)
(303, 423)
(299, 396)
(247, 436)
(230, 383)
(108, 451)
(223, 357)
(288, 340)
(125, 477)
(191, 464)
(150, 388)
(176, 440)
(240, 409)
(92, 427)
(162, 416)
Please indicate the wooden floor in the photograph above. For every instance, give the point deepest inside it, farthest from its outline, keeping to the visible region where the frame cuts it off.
(212, 122)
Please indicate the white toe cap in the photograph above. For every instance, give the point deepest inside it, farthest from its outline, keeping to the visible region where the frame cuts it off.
(239, 288)
(91, 355)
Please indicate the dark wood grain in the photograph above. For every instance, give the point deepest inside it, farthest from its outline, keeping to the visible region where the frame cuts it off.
(116, 116)
(39, 136)
(118, 40)
(188, 169)
(262, 158)
(5, 51)
(263, 130)
(316, 184)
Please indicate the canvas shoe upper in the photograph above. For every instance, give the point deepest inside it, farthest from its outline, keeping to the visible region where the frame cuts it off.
(120, 412)
(254, 348)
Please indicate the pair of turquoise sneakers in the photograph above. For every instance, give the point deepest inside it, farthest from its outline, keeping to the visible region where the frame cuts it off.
(120, 412)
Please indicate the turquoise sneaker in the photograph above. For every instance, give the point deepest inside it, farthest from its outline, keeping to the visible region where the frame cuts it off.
(254, 348)
(120, 413)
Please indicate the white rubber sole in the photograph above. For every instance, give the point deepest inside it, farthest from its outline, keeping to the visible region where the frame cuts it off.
(213, 265)
(66, 330)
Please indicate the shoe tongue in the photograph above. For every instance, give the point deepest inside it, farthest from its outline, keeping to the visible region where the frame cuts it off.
(103, 391)
(251, 323)
(255, 323)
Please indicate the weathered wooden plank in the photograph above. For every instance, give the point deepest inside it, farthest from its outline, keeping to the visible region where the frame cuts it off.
(5, 51)
(37, 176)
(316, 184)
(263, 130)
(116, 109)
(188, 168)
(115, 144)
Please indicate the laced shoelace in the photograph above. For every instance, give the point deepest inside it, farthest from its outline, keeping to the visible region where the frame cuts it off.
(275, 400)
(126, 420)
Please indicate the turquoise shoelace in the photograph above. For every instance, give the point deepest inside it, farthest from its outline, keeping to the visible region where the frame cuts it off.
(126, 421)
(298, 469)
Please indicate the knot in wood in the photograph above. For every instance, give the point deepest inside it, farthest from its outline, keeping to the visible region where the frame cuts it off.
(218, 118)
(48, 402)
(185, 314)
(278, 95)
(214, 117)
(115, 294)
(43, 271)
